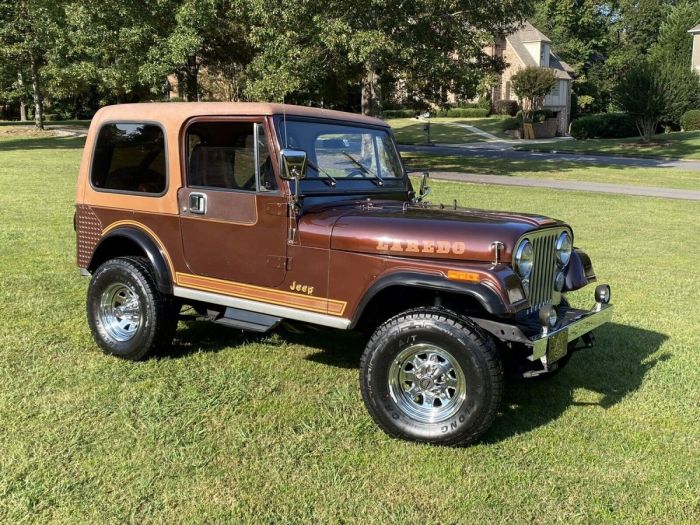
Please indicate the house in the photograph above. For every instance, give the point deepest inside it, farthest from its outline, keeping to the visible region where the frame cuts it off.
(695, 60)
(529, 47)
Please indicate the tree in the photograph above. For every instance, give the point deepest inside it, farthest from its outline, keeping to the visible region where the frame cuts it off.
(644, 93)
(28, 29)
(674, 44)
(531, 85)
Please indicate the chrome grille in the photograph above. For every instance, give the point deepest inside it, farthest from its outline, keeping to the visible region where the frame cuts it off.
(544, 267)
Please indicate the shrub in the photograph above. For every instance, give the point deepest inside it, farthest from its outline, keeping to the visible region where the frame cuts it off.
(690, 121)
(467, 112)
(49, 117)
(604, 126)
(645, 93)
(400, 113)
(542, 115)
(531, 85)
(484, 103)
(511, 123)
(505, 107)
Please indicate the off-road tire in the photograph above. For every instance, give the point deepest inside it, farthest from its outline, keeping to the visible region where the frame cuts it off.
(157, 311)
(473, 350)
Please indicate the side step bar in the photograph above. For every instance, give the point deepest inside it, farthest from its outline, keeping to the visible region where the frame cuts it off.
(244, 319)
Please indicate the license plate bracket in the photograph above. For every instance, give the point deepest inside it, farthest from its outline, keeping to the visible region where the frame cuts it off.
(557, 346)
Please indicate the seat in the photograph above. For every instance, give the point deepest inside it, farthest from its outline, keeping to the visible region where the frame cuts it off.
(212, 166)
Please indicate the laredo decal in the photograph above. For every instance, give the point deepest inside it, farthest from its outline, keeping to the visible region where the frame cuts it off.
(395, 245)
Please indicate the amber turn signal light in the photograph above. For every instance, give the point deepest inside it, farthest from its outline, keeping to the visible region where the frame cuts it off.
(455, 275)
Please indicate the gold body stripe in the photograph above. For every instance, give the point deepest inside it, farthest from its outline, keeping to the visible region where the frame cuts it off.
(241, 290)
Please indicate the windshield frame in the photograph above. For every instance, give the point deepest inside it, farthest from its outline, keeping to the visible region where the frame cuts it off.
(318, 185)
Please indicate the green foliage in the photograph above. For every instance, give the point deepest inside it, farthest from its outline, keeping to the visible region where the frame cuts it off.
(645, 93)
(674, 44)
(467, 113)
(399, 113)
(531, 85)
(511, 123)
(604, 125)
(690, 121)
(506, 107)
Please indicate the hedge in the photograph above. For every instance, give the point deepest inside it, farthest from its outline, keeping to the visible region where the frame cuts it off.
(467, 112)
(511, 123)
(604, 126)
(400, 113)
(505, 107)
(690, 121)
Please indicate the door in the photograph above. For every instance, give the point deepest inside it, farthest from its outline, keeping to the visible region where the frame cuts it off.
(233, 217)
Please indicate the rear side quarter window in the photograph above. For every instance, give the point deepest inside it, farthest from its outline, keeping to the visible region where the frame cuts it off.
(130, 158)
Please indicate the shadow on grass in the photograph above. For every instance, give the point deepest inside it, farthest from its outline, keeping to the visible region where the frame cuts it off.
(42, 143)
(612, 370)
(509, 163)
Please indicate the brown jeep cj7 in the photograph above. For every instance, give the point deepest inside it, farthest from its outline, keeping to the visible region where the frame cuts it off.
(258, 214)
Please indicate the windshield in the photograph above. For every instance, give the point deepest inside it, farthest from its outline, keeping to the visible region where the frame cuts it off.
(338, 151)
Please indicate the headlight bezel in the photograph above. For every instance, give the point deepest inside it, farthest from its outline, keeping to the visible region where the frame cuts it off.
(563, 258)
(523, 269)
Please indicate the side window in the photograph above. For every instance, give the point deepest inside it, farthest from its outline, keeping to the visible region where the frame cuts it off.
(129, 157)
(222, 155)
(265, 170)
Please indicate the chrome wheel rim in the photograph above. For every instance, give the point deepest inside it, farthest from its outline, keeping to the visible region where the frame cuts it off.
(427, 383)
(120, 312)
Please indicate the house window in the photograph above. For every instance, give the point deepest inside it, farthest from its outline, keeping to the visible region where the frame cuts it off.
(555, 90)
(507, 97)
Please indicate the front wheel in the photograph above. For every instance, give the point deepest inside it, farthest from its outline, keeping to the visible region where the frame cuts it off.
(128, 316)
(430, 375)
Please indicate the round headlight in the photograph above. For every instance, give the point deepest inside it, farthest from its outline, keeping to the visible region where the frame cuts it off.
(563, 248)
(523, 259)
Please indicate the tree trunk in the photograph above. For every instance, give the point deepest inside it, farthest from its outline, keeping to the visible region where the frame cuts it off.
(370, 93)
(36, 90)
(22, 105)
(192, 80)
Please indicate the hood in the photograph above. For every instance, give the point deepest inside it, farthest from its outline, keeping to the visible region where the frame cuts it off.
(430, 231)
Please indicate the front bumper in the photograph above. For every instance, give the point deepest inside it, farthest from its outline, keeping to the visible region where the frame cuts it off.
(553, 344)
(574, 324)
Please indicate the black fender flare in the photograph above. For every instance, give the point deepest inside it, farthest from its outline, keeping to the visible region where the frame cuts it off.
(149, 247)
(579, 272)
(486, 296)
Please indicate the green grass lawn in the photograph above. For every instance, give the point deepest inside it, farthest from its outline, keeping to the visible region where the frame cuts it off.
(676, 145)
(48, 123)
(442, 131)
(557, 170)
(271, 429)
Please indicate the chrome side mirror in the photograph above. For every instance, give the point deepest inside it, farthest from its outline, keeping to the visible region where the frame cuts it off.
(293, 164)
(424, 190)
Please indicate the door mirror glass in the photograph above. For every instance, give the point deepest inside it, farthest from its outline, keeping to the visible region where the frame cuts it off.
(293, 164)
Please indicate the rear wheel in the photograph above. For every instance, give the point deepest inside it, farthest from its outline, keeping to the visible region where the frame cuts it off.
(128, 316)
(433, 376)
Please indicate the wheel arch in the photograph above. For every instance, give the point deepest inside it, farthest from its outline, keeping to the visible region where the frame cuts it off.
(403, 290)
(128, 240)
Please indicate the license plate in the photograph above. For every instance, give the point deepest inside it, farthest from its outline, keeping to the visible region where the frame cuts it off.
(557, 346)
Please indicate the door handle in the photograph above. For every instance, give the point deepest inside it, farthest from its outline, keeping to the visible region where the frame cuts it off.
(198, 203)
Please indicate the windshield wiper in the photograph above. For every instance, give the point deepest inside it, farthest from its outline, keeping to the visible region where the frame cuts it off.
(379, 181)
(323, 172)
